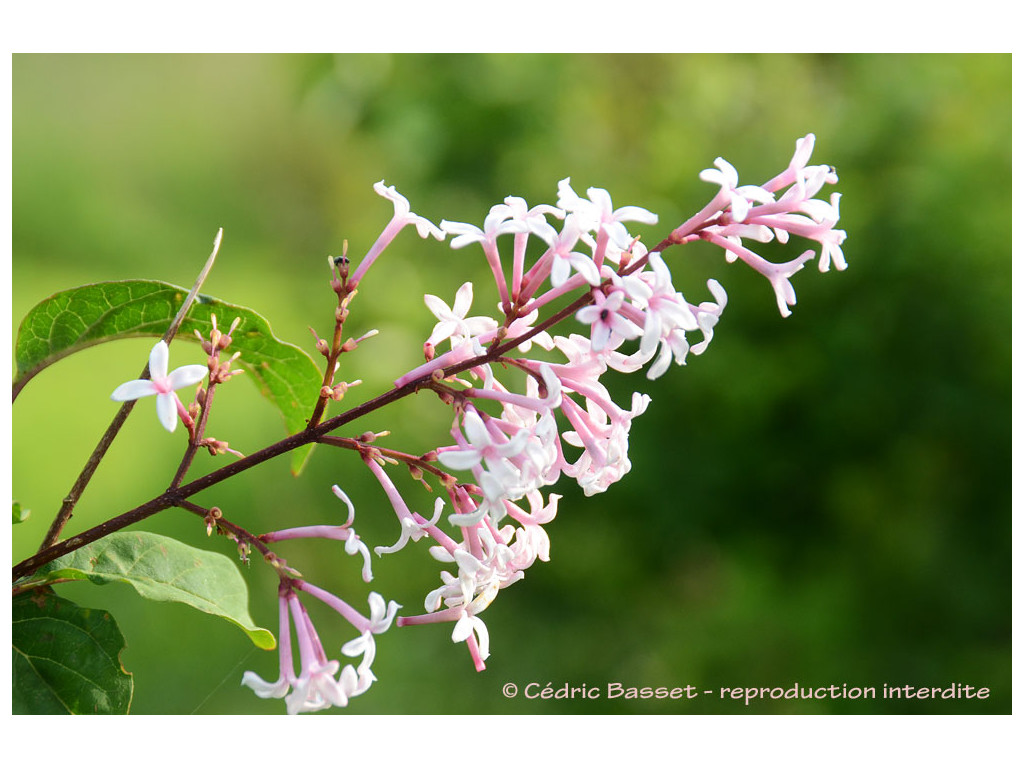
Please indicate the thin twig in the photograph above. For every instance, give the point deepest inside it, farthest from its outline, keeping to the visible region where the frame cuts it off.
(233, 529)
(196, 439)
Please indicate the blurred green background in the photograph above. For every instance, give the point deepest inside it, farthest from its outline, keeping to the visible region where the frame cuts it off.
(820, 500)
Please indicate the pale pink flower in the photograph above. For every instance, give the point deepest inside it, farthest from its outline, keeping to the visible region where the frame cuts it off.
(403, 213)
(494, 457)
(532, 217)
(402, 217)
(725, 175)
(531, 541)
(315, 687)
(665, 309)
(344, 532)
(603, 432)
(708, 314)
(480, 445)
(563, 258)
(499, 222)
(412, 529)
(597, 212)
(607, 325)
(452, 323)
(162, 384)
(280, 687)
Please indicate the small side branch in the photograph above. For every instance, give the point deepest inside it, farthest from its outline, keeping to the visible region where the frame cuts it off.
(68, 505)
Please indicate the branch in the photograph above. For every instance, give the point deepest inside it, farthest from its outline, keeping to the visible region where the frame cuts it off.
(313, 433)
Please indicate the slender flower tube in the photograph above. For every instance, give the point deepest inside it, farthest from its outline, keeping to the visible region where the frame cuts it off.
(499, 221)
(344, 532)
(279, 688)
(402, 217)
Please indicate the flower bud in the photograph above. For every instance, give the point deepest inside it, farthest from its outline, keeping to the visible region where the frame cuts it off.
(204, 343)
(211, 519)
(342, 387)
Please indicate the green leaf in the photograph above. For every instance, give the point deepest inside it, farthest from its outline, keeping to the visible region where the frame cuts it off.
(66, 659)
(20, 514)
(82, 317)
(162, 568)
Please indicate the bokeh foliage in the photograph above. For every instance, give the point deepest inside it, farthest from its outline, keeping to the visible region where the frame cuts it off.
(823, 499)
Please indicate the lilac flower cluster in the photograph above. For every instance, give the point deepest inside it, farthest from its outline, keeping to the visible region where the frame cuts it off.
(530, 406)
(507, 438)
(315, 687)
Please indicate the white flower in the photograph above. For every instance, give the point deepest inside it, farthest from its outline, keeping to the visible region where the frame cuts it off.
(473, 625)
(452, 322)
(779, 274)
(522, 325)
(532, 217)
(381, 614)
(564, 258)
(404, 214)
(161, 384)
(674, 345)
(411, 530)
(481, 445)
(497, 223)
(316, 689)
(665, 310)
(265, 690)
(598, 212)
(725, 175)
(605, 321)
(708, 314)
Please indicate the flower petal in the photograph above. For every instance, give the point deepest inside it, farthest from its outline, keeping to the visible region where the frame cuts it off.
(167, 410)
(635, 213)
(133, 390)
(158, 358)
(460, 459)
(263, 689)
(187, 375)
(463, 299)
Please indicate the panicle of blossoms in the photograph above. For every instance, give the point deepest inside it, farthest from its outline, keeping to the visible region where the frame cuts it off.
(760, 214)
(315, 687)
(632, 301)
(509, 440)
(487, 559)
